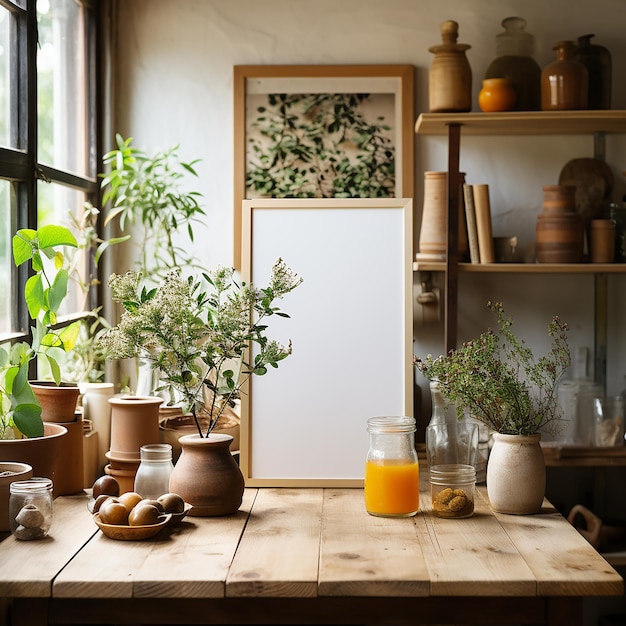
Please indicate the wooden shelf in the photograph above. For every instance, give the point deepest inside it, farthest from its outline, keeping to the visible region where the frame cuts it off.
(524, 123)
(524, 268)
(583, 456)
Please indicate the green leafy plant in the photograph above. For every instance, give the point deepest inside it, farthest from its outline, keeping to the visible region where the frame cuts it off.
(499, 380)
(320, 146)
(149, 190)
(198, 340)
(44, 293)
(85, 363)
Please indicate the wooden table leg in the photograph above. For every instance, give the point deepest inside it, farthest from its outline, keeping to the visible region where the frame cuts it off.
(29, 611)
(564, 611)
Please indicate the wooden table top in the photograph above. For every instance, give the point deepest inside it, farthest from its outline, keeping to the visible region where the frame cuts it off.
(304, 544)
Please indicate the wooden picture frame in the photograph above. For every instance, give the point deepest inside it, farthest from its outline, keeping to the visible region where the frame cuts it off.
(389, 88)
(304, 423)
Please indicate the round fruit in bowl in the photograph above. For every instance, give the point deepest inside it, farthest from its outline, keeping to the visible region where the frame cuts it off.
(131, 533)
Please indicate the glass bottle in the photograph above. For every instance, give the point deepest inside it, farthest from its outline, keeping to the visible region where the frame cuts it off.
(514, 61)
(391, 468)
(30, 508)
(564, 82)
(153, 475)
(597, 60)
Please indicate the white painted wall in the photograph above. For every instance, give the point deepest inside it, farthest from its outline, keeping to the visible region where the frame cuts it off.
(174, 84)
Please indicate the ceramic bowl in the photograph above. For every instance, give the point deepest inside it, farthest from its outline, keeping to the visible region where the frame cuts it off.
(131, 533)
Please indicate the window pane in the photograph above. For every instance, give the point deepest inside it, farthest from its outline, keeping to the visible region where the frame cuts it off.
(57, 204)
(7, 317)
(5, 78)
(62, 91)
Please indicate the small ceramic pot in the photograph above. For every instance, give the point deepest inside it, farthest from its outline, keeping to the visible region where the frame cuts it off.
(497, 94)
(10, 472)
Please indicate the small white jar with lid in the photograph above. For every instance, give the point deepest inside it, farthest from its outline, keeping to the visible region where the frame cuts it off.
(153, 475)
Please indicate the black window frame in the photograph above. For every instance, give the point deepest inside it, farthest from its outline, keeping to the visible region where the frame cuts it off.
(20, 165)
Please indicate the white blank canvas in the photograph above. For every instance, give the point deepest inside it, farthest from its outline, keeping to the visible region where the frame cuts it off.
(350, 323)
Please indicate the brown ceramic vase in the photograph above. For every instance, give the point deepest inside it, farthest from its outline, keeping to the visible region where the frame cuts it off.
(207, 477)
(560, 228)
(43, 454)
(564, 82)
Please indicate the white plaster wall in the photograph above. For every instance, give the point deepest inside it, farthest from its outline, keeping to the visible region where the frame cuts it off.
(174, 85)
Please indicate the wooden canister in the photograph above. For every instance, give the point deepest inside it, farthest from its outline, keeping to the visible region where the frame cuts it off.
(560, 229)
(450, 76)
(602, 241)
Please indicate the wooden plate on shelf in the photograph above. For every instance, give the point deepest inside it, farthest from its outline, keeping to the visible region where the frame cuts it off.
(593, 180)
(131, 533)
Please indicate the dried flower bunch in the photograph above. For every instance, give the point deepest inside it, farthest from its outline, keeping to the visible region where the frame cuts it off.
(198, 340)
(497, 378)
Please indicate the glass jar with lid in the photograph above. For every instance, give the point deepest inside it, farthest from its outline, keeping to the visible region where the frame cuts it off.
(153, 475)
(515, 62)
(452, 490)
(391, 469)
(30, 508)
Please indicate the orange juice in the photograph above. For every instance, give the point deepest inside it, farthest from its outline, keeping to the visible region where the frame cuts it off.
(391, 488)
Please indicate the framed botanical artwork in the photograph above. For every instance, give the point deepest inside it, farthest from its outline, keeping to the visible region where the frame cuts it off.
(322, 131)
(350, 326)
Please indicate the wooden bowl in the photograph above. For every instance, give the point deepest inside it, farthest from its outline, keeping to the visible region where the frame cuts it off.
(131, 533)
(176, 518)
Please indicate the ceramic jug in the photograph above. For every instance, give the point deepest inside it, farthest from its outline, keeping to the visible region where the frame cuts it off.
(564, 82)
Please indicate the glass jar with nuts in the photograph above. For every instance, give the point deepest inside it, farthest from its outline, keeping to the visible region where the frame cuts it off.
(452, 490)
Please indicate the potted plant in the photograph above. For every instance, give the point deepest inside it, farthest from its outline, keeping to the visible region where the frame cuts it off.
(498, 380)
(204, 344)
(24, 436)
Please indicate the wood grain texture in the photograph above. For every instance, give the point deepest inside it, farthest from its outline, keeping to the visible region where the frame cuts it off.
(279, 552)
(27, 568)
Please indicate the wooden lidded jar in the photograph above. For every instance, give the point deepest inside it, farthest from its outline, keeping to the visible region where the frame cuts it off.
(560, 229)
(564, 82)
(450, 76)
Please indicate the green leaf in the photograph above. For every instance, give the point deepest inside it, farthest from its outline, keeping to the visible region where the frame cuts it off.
(55, 370)
(27, 418)
(69, 335)
(58, 290)
(53, 235)
(34, 295)
(22, 248)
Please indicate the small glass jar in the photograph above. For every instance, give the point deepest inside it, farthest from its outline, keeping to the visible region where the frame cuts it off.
(452, 490)
(30, 508)
(153, 475)
(391, 468)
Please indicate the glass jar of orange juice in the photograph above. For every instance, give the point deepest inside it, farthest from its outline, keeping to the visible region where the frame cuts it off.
(391, 469)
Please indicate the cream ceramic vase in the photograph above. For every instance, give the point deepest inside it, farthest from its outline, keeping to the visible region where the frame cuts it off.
(516, 474)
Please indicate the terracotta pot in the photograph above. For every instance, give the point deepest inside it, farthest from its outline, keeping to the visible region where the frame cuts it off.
(58, 402)
(69, 477)
(134, 422)
(10, 472)
(207, 477)
(516, 474)
(42, 453)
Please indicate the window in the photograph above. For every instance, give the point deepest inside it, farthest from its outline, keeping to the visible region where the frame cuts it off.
(48, 139)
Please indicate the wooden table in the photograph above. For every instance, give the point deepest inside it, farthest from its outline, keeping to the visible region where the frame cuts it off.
(308, 556)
